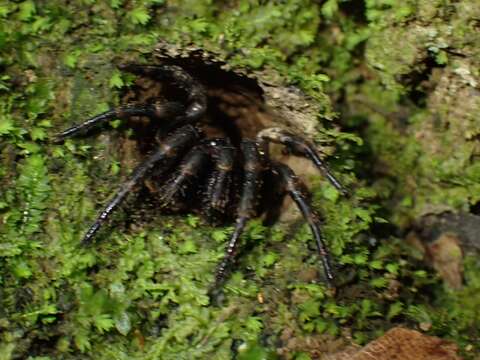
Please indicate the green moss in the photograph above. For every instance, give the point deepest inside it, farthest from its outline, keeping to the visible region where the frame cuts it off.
(415, 106)
(142, 292)
(438, 84)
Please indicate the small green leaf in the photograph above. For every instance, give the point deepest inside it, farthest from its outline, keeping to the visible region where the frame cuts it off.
(22, 270)
(269, 259)
(253, 351)
(330, 8)
(392, 268)
(219, 235)
(38, 134)
(29, 147)
(188, 247)
(115, 168)
(376, 264)
(363, 214)
(394, 310)
(193, 220)
(254, 324)
(303, 356)
(441, 58)
(71, 59)
(139, 16)
(116, 80)
(422, 274)
(40, 24)
(6, 126)
(360, 259)
(103, 322)
(199, 25)
(321, 77)
(45, 123)
(379, 282)
(5, 10)
(81, 339)
(115, 123)
(380, 220)
(26, 10)
(330, 193)
(115, 4)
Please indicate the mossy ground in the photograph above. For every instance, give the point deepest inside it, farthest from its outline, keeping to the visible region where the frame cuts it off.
(141, 291)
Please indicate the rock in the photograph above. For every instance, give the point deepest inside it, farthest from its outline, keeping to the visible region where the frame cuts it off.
(402, 344)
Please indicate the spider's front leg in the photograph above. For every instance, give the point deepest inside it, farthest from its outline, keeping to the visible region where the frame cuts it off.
(169, 152)
(254, 167)
(187, 112)
(297, 191)
(196, 96)
(154, 111)
(298, 146)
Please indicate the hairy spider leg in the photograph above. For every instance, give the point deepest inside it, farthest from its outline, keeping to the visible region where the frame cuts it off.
(194, 90)
(155, 111)
(219, 183)
(253, 171)
(170, 150)
(299, 146)
(191, 167)
(298, 192)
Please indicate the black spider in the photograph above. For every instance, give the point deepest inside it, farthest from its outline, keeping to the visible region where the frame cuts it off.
(202, 152)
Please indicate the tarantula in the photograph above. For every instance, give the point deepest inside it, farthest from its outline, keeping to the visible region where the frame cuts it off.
(200, 151)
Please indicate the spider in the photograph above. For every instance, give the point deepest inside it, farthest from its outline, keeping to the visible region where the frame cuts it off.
(201, 152)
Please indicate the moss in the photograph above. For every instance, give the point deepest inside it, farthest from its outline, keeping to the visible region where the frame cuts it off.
(415, 107)
(140, 292)
(437, 77)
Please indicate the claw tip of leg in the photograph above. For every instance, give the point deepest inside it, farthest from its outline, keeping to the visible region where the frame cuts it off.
(57, 139)
(344, 191)
(85, 242)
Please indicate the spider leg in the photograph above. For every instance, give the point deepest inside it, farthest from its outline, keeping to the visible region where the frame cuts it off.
(252, 183)
(219, 184)
(167, 154)
(156, 111)
(191, 167)
(299, 146)
(194, 90)
(298, 192)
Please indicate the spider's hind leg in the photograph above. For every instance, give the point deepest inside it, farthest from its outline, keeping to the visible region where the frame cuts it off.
(298, 192)
(299, 146)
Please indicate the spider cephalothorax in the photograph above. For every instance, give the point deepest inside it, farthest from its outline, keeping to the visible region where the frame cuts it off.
(206, 137)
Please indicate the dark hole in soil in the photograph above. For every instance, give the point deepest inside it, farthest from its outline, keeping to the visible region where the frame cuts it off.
(235, 102)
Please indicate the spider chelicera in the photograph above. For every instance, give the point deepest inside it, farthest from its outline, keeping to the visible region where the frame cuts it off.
(204, 150)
